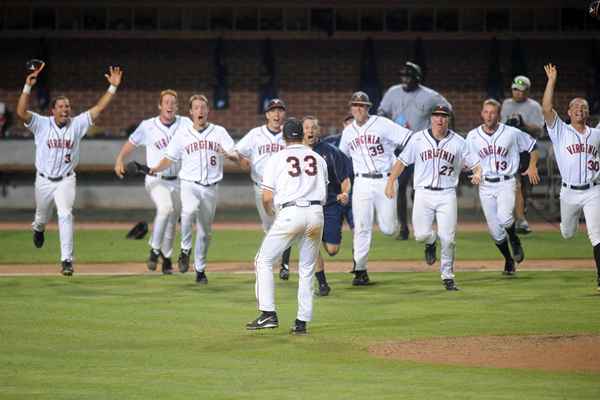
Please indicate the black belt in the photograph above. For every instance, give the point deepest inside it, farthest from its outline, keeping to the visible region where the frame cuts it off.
(433, 188)
(168, 178)
(372, 176)
(498, 179)
(55, 178)
(301, 203)
(204, 184)
(579, 187)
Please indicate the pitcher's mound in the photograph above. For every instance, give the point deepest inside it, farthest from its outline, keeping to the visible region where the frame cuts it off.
(548, 353)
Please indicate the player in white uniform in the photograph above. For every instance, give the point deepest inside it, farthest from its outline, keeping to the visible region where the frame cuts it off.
(370, 142)
(498, 147)
(576, 149)
(57, 141)
(439, 155)
(155, 134)
(255, 149)
(200, 146)
(295, 182)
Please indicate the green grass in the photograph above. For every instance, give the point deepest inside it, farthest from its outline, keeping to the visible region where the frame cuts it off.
(162, 337)
(238, 245)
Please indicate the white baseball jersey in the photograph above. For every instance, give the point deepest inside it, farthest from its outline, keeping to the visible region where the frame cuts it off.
(200, 152)
(371, 146)
(297, 173)
(437, 163)
(56, 148)
(499, 152)
(258, 146)
(156, 136)
(576, 154)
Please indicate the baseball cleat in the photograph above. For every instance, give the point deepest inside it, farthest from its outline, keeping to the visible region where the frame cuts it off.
(403, 234)
(67, 268)
(430, 257)
(183, 262)
(299, 328)
(201, 278)
(265, 320)
(167, 266)
(284, 272)
(450, 285)
(152, 260)
(361, 278)
(517, 250)
(509, 267)
(38, 238)
(323, 290)
(523, 228)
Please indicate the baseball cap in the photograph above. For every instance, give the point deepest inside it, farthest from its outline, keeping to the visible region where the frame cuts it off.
(521, 83)
(360, 98)
(440, 109)
(411, 69)
(275, 103)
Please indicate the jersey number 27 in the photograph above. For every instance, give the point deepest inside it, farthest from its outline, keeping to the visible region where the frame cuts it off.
(309, 166)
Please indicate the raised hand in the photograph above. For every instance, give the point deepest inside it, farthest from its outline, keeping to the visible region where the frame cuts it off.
(114, 78)
(32, 77)
(551, 72)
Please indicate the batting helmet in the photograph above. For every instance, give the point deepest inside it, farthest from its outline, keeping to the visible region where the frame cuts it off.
(412, 69)
(292, 129)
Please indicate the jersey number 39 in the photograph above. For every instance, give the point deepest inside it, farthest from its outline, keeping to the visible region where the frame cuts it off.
(309, 166)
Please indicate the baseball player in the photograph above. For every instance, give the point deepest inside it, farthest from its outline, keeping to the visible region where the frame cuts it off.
(439, 155)
(409, 104)
(255, 148)
(338, 195)
(57, 141)
(370, 142)
(497, 146)
(576, 150)
(295, 182)
(200, 146)
(155, 134)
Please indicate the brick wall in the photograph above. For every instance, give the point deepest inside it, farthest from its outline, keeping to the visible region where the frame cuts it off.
(315, 76)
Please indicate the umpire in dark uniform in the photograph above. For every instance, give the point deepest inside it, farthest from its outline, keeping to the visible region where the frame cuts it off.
(338, 195)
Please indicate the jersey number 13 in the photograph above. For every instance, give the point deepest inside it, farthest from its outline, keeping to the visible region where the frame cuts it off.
(309, 166)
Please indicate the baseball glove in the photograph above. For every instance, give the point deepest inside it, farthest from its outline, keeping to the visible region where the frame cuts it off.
(594, 9)
(135, 168)
(138, 231)
(33, 65)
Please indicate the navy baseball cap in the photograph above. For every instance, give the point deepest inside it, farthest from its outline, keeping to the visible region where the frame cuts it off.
(292, 129)
(275, 103)
(360, 98)
(441, 109)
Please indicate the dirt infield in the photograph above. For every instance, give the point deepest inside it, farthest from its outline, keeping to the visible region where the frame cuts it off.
(336, 266)
(547, 353)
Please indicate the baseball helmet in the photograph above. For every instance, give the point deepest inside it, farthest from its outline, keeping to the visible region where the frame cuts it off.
(292, 129)
(411, 69)
(360, 98)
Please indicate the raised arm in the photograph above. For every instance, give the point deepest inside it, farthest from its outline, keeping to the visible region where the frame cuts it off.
(23, 103)
(548, 99)
(115, 80)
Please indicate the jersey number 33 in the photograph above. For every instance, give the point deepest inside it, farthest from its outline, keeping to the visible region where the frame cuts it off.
(309, 166)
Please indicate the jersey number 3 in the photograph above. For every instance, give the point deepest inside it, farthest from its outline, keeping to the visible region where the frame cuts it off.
(294, 169)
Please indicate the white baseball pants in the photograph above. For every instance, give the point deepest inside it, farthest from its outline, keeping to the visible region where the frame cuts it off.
(165, 195)
(266, 219)
(571, 204)
(441, 206)
(63, 195)
(198, 203)
(498, 203)
(293, 224)
(369, 201)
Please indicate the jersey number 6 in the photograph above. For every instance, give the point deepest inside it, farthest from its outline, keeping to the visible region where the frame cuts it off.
(310, 166)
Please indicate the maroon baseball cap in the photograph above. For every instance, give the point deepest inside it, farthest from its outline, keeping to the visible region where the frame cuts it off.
(441, 109)
(275, 103)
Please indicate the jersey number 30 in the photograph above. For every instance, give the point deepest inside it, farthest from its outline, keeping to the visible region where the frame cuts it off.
(309, 165)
